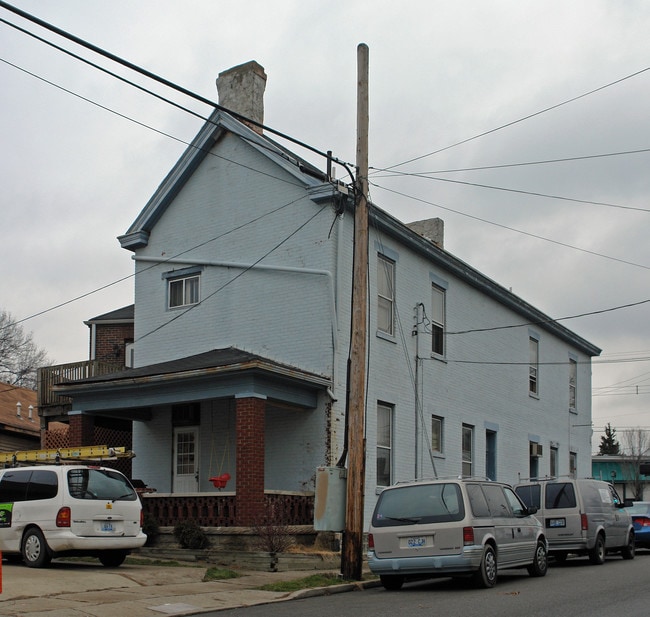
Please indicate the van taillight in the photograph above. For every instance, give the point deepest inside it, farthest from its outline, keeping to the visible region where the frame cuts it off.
(141, 519)
(468, 536)
(584, 521)
(371, 541)
(63, 517)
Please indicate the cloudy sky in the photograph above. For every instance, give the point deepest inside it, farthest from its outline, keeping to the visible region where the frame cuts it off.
(550, 99)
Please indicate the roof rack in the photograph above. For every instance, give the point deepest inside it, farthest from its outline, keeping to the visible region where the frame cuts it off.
(59, 456)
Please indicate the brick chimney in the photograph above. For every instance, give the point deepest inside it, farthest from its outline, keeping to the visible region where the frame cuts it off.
(241, 89)
(431, 229)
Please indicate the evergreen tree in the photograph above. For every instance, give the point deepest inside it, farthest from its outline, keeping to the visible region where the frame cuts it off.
(608, 442)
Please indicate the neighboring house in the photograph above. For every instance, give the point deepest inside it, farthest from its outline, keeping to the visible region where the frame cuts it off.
(111, 339)
(243, 281)
(626, 473)
(20, 428)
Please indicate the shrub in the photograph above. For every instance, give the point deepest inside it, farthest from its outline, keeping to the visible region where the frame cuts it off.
(190, 535)
(151, 528)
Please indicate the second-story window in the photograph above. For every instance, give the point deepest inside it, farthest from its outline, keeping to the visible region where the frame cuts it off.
(385, 295)
(573, 378)
(438, 320)
(183, 291)
(533, 372)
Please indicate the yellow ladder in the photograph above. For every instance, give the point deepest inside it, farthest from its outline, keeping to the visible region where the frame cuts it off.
(55, 455)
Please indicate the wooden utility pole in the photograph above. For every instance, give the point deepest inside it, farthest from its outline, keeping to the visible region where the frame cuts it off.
(351, 555)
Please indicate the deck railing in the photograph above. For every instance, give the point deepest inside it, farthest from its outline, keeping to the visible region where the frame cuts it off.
(48, 376)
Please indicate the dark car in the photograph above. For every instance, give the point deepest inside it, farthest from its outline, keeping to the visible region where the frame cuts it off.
(640, 513)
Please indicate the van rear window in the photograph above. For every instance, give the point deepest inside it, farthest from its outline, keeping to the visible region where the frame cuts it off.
(100, 484)
(559, 495)
(530, 495)
(425, 503)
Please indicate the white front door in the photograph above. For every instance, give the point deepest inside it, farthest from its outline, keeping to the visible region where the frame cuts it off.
(186, 460)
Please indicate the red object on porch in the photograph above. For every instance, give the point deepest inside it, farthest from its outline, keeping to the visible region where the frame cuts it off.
(220, 481)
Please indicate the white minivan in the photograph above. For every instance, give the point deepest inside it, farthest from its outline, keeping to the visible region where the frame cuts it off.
(580, 516)
(55, 510)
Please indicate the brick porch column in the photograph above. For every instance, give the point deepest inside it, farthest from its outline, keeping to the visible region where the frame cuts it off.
(249, 500)
(81, 430)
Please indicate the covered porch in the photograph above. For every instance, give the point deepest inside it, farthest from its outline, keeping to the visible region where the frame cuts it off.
(187, 414)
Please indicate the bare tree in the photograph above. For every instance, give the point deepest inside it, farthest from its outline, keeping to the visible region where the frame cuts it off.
(20, 357)
(636, 447)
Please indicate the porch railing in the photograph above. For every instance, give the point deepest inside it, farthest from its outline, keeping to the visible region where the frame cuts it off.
(48, 376)
(210, 510)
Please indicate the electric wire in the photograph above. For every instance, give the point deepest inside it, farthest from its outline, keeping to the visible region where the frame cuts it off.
(153, 76)
(528, 117)
(234, 278)
(522, 192)
(513, 229)
(510, 165)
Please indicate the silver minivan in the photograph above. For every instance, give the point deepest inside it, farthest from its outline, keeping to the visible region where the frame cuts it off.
(54, 510)
(453, 527)
(580, 516)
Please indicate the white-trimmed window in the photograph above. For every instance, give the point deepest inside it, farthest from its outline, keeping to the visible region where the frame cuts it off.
(468, 449)
(573, 379)
(533, 371)
(436, 434)
(384, 444)
(554, 462)
(183, 290)
(438, 320)
(385, 295)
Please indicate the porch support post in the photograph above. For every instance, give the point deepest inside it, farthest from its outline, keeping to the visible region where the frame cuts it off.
(81, 430)
(249, 500)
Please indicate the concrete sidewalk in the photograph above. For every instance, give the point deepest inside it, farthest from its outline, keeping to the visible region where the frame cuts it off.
(76, 589)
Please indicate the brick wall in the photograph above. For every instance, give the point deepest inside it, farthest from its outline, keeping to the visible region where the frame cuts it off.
(111, 340)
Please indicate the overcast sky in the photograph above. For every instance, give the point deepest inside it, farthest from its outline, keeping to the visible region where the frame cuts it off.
(81, 152)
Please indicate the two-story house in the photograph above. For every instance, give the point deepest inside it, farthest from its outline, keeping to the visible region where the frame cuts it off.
(243, 284)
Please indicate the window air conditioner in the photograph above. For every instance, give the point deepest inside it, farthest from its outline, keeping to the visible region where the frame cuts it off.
(536, 450)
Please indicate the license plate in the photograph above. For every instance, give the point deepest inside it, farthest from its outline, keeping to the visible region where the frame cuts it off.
(107, 526)
(416, 542)
(554, 523)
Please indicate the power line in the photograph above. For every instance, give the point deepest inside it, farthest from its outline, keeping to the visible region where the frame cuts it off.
(519, 231)
(162, 261)
(507, 165)
(520, 191)
(234, 278)
(153, 76)
(537, 113)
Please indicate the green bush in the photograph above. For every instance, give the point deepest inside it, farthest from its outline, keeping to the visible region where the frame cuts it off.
(151, 528)
(190, 535)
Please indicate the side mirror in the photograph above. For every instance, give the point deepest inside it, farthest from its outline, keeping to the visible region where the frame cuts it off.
(531, 510)
(628, 503)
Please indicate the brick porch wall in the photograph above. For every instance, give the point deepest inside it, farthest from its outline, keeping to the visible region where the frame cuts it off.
(250, 460)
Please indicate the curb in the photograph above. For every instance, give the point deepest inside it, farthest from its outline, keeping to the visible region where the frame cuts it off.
(332, 589)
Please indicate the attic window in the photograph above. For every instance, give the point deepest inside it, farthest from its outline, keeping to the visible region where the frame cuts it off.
(183, 287)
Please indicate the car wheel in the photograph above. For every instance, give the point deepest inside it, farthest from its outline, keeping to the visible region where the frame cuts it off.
(112, 559)
(629, 550)
(597, 554)
(391, 582)
(540, 561)
(486, 576)
(35, 551)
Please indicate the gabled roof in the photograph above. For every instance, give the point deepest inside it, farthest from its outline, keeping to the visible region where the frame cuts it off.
(219, 122)
(320, 188)
(121, 315)
(9, 418)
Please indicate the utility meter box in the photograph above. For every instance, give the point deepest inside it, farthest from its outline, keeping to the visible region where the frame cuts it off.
(329, 501)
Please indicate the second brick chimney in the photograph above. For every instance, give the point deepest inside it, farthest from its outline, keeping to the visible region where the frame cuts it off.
(241, 89)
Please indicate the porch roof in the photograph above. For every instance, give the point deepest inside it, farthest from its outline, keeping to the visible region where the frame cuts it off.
(220, 373)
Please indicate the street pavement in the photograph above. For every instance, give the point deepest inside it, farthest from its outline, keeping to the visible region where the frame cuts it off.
(85, 589)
